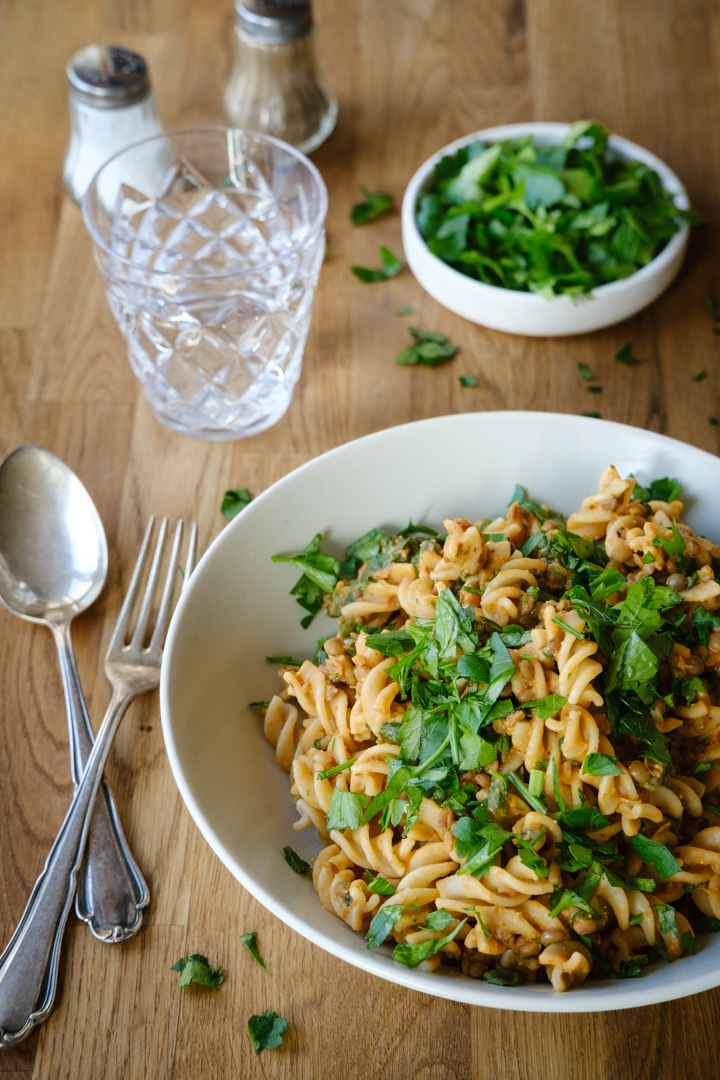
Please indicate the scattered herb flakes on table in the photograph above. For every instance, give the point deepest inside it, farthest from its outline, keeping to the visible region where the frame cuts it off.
(552, 220)
(266, 1031)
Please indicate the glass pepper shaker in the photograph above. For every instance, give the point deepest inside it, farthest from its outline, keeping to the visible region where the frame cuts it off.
(111, 106)
(275, 86)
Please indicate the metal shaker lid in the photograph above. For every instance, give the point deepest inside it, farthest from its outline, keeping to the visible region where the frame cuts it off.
(108, 76)
(274, 21)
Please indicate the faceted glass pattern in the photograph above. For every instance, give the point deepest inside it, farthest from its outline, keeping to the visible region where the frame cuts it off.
(211, 280)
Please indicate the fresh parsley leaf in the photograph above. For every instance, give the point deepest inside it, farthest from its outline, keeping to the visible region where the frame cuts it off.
(655, 854)
(391, 267)
(320, 575)
(500, 976)
(687, 942)
(234, 500)
(437, 920)
(601, 765)
(585, 371)
(412, 955)
(284, 661)
(295, 862)
(407, 310)
(626, 356)
(383, 923)
(249, 940)
(376, 204)
(266, 1031)
(346, 809)
(379, 884)
(467, 380)
(197, 969)
(699, 376)
(666, 919)
(545, 707)
(428, 349)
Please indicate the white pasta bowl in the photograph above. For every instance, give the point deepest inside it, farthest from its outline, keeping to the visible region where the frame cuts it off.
(528, 313)
(237, 609)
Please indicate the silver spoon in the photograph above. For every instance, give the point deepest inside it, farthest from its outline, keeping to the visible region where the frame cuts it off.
(53, 563)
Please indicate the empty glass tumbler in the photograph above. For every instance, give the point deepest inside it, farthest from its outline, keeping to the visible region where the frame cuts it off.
(210, 241)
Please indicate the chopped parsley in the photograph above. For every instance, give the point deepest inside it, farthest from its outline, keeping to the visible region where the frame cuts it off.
(197, 969)
(266, 1031)
(234, 500)
(375, 204)
(429, 349)
(626, 356)
(249, 940)
(295, 862)
(391, 267)
(550, 220)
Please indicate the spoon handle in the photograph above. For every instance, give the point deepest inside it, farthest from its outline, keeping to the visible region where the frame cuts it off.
(29, 964)
(111, 890)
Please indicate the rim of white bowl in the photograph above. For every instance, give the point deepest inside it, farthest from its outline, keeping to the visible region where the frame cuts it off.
(557, 131)
(602, 996)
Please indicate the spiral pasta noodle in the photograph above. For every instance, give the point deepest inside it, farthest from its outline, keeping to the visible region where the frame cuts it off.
(510, 749)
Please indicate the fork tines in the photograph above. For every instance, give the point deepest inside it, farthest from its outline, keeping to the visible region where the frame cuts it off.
(148, 602)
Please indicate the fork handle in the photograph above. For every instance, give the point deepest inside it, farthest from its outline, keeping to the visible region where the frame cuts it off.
(111, 890)
(29, 963)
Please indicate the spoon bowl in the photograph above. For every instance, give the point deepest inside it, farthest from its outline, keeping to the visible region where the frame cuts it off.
(53, 550)
(53, 565)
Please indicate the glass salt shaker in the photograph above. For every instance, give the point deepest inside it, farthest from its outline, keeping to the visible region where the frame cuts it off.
(111, 106)
(275, 86)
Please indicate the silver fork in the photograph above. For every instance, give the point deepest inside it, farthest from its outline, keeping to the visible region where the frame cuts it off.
(29, 964)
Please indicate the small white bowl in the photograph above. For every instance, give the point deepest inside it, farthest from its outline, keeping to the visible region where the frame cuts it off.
(523, 312)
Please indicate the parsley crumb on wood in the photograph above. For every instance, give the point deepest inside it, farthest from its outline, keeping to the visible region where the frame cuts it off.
(249, 940)
(391, 267)
(266, 1031)
(376, 204)
(626, 356)
(197, 969)
(429, 348)
(467, 380)
(234, 500)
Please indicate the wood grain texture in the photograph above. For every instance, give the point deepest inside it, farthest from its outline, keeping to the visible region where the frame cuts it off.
(411, 75)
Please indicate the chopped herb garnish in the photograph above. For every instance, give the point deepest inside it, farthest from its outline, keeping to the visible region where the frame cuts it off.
(699, 376)
(234, 501)
(379, 884)
(320, 575)
(428, 349)
(266, 1031)
(412, 955)
(295, 862)
(594, 415)
(407, 310)
(391, 267)
(375, 205)
(500, 976)
(197, 969)
(284, 661)
(249, 940)
(467, 380)
(626, 356)
(547, 219)
(655, 854)
(594, 389)
(335, 769)
(585, 371)
(601, 765)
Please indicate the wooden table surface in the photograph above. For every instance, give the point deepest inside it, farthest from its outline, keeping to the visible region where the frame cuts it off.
(411, 75)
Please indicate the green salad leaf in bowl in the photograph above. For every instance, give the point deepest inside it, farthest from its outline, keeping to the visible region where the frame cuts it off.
(548, 219)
